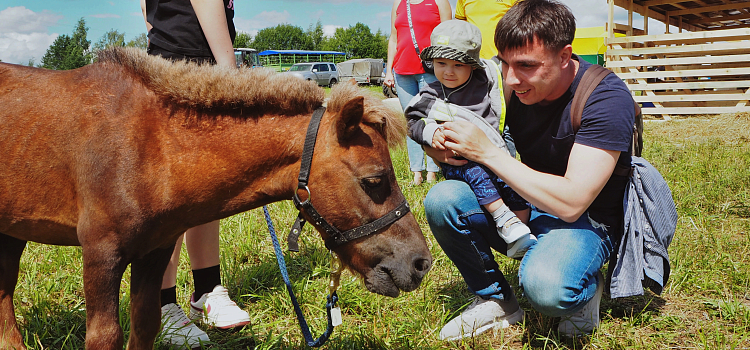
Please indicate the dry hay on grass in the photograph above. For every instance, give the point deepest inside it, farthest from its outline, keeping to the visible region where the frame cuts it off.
(731, 128)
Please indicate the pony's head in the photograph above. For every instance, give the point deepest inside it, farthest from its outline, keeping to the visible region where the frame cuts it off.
(352, 183)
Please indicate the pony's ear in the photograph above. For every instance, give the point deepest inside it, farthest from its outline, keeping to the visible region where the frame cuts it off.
(350, 117)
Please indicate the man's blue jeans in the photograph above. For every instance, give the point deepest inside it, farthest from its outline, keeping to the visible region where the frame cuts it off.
(558, 274)
(407, 86)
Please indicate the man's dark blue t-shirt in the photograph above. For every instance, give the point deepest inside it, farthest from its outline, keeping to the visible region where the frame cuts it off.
(544, 136)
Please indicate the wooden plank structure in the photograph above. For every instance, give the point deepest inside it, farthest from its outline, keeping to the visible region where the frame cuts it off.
(704, 68)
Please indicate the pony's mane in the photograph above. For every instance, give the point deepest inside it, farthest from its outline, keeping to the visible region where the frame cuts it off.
(389, 122)
(213, 87)
(257, 90)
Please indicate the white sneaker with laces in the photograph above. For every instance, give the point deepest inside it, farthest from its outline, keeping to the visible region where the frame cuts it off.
(585, 320)
(481, 316)
(217, 310)
(178, 331)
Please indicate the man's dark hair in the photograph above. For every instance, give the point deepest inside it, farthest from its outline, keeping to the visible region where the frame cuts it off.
(548, 21)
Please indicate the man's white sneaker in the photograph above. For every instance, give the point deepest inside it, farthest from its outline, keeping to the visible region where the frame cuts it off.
(481, 316)
(585, 320)
(216, 309)
(178, 331)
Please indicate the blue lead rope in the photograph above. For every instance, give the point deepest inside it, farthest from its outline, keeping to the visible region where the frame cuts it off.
(332, 298)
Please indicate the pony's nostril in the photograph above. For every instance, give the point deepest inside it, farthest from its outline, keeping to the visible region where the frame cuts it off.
(422, 265)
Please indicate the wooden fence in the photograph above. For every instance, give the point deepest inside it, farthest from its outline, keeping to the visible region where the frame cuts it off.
(706, 72)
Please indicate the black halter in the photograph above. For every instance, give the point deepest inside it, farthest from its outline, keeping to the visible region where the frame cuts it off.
(335, 237)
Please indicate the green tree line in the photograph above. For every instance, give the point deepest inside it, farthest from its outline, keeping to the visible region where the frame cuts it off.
(358, 41)
(75, 50)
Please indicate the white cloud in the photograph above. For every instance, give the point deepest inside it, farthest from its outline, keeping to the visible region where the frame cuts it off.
(23, 34)
(593, 13)
(19, 19)
(20, 48)
(262, 20)
(329, 29)
(588, 13)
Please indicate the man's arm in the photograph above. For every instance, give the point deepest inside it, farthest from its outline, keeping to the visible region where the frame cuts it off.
(213, 21)
(566, 197)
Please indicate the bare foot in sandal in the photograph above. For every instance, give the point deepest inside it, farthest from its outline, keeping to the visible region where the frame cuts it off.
(417, 178)
(431, 177)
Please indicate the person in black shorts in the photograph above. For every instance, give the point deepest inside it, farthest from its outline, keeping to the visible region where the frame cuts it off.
(201, 31)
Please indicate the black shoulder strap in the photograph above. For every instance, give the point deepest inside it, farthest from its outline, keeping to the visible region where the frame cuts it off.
(591, 78)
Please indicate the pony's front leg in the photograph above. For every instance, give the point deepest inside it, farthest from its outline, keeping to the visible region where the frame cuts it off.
(103, 265)
(145, 284)
(10, 255)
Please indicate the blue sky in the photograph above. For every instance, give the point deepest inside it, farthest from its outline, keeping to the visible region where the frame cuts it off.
(27, 28)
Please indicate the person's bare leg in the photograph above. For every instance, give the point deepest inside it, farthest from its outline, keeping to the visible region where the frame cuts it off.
(491, 207)
(170, 275)
(202, 243)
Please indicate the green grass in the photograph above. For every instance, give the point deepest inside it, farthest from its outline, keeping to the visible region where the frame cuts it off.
(706, 304)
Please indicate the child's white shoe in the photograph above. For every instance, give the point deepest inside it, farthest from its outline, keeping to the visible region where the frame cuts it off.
(517, 249)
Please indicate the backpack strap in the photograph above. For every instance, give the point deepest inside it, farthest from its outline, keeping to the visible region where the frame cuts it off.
(590, 80)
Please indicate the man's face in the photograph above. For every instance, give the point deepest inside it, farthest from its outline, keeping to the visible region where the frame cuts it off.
(451, 73)
(534, 72)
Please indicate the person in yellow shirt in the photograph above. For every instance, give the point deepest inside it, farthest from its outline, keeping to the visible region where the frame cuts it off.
(484, 14)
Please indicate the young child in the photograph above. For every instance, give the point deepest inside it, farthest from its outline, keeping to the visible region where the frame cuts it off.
(467, 88)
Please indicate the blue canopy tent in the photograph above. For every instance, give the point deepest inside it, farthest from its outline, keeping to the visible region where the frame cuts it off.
(281, 60)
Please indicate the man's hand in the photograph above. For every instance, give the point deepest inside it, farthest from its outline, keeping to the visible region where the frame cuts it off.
(468, 141)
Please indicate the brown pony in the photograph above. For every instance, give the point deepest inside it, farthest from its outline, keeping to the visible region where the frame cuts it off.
(122, 156)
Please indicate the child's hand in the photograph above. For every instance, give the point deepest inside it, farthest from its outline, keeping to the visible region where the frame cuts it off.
(438, 140)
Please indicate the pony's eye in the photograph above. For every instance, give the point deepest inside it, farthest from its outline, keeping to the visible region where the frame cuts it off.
(372, 182)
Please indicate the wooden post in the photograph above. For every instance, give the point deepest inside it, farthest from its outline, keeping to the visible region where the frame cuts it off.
(630, 19)
(645, 20)
(611, 19)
